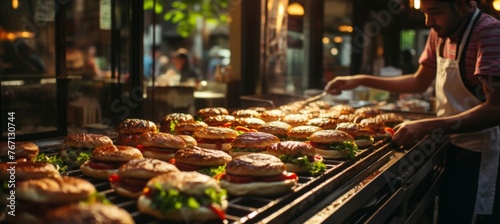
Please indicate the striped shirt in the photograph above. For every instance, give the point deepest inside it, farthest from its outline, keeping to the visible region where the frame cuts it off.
(482, 56)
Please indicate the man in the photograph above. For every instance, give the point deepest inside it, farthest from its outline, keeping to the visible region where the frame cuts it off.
(462, 55)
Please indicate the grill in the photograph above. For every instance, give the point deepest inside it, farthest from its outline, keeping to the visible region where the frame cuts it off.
(340, 177)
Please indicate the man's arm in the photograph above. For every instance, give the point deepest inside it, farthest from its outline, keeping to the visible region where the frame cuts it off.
(483, 116)
(414, 83)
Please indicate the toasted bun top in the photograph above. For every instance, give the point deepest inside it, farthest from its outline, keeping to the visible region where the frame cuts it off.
(390, 117)
(190, 141)
(323, 122)
(28, 170)
(85, 140)
(250, 122)
(214, 133)
(276, 128)
(136, 126)
(373, 123)
(182, 128)
(272, 115)
(343, 108)
(202, 156)
(64, 189)
(84, 213)
(219, 120)
(21, 150)
(296, 119)
(255, 164)
(330, 136)
(294, 148)
(145, 168)
(212, 111)
(116, 153)
(254, 140)
(177, 117)
(368, 111)
(245, 113)
(161, 140)
(303, 131)
(355, 129)
(191, 183)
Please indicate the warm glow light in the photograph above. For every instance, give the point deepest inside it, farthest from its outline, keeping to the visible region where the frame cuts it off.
(334, 51)
(295, 9)
(345, 29)
(338, 39)
(416, 4)
(15, 4)
(496, 5)
(326, 40)
(11, 36)
(25, 34)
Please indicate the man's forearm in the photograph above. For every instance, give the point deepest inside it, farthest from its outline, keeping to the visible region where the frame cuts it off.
(405, 83)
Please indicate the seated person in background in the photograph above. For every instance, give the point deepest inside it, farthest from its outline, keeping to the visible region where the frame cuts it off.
(181, 63)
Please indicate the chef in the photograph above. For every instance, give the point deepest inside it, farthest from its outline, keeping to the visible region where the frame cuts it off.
(462, 55)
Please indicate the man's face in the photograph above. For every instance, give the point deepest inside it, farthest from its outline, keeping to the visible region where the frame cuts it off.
(443, 17)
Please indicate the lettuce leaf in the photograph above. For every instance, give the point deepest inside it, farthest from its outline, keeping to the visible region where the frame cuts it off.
(314, 168)
(345, 145)
(171, 199)
(96, 197)
(55, 160)
(213, 171)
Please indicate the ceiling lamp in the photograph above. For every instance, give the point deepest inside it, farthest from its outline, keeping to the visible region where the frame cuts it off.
(15, 4)
(415, 4)
(295, 9)
(496, 5)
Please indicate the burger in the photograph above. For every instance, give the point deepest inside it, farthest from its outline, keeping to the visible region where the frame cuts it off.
(277, 128)
(296, 119)
(258, 109)
(367, 111)
(272, 115)
(206, 161)
(188, 128)
(302, 132)
(159, 145)
(132, 176)
(390, 119)
(85, 213)
(35, 197)
(183, 197)
(363, 135)
(252, 142)
(245, 113)
(342, 109)
(299, 157)
(219, 120)
(248, 123)
(323, 122)
(130, 129)
(168, 122)
(210, 112)
(333, 144)
(20, 151)
(378, 126)
(107, 159)
(77, 148)
(215, 138)
(257, 174)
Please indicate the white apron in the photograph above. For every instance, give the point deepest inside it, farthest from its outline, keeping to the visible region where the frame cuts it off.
(452, 97)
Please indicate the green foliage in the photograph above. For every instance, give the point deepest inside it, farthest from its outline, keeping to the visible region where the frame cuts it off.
(185, 13)
(56, 160)
(213, 171)
(314, 168)
(171, 199)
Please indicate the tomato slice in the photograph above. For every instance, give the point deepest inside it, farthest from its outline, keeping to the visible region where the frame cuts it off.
(114, 178)
(103, 166)
(242, 128)
(186, 167)
(390, 130)
(219, 176)
(227, 125)
(282, 177)
(172, 161)
(218, 211)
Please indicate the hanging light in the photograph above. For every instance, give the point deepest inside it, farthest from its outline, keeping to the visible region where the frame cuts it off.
(15, 4)
(496, 5)
(415, 4)
(295, 9)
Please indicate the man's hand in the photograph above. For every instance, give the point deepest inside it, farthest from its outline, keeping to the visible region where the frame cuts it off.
(407, 134)
(336, 85)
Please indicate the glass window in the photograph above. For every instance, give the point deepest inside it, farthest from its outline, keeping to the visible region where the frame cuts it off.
(27, 66)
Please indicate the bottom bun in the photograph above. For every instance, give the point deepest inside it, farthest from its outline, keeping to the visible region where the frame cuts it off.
(290, 167)
(124, 192)
(258, 188)
(187, 215)
(333, 154)
(363, 143)
(95, 173)
(157, 155)
(224, 146)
